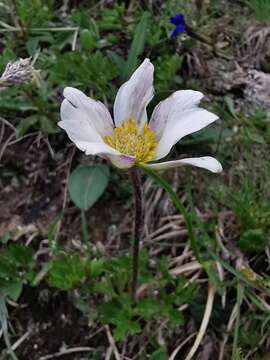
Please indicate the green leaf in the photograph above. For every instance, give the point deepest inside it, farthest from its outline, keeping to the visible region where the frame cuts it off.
(47, 125)
(20, 254)
(87, 40)
(86, 184)
(210, 268)
(97, 267)
(5, 238)
(137, 47)
(12, 289)
(14, 103)
(117, 59)
(230, 105)
(159, 354)
(52, 230)
(120, 315)
(32, 45)
(208, 135)
(25, 124)
(149, 308)
(255, 137)
(253, 240)
(126, 327)
(66, 272)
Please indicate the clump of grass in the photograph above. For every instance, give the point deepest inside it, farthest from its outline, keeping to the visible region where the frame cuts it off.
(261, 9)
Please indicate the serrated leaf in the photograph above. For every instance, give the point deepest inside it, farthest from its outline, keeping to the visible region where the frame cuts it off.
(66, 272)
(87, 183)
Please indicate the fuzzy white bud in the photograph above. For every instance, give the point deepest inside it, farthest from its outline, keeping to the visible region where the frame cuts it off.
(17, 72)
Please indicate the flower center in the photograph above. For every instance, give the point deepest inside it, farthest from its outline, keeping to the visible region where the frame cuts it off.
(129, 141)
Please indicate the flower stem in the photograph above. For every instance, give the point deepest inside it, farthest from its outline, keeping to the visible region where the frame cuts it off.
(135, 178)
(85, 234)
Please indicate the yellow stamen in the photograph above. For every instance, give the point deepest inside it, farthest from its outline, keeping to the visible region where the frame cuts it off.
(129, 141)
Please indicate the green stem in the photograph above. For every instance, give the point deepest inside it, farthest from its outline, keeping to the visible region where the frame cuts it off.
(85, 233)
(237, 321)
(179, 206)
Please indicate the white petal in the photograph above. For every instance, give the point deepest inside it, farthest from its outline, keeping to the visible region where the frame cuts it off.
(205, 162)
(171, 108)
(118, 159)
(181, 125)
(83, 118)
(176, 117)
(75, 123)
(122, 161)
(96, 148)
(134, 95)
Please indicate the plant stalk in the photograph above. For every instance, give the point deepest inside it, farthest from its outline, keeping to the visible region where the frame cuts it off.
(135, 178)
(85, 234)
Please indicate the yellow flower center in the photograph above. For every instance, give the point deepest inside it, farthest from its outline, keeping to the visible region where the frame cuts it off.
(129, 141)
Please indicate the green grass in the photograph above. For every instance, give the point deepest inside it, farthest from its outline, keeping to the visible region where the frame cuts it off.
(261, 9)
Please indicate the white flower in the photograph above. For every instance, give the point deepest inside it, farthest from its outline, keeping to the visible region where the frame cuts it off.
(131, 140)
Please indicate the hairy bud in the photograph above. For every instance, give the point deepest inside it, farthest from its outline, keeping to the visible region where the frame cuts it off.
(17, 72)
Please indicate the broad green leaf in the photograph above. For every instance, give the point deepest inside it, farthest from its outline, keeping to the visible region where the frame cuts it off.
(12, 289)
(137, 47)
(87, 183)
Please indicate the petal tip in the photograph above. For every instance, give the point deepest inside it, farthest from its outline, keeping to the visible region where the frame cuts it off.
(147, 63)
(67, 90)
(218, 168)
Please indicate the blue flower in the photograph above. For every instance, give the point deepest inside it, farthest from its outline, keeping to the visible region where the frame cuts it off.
(180, 25)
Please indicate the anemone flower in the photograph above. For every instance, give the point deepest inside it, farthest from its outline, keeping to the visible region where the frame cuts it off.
(130, 140)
